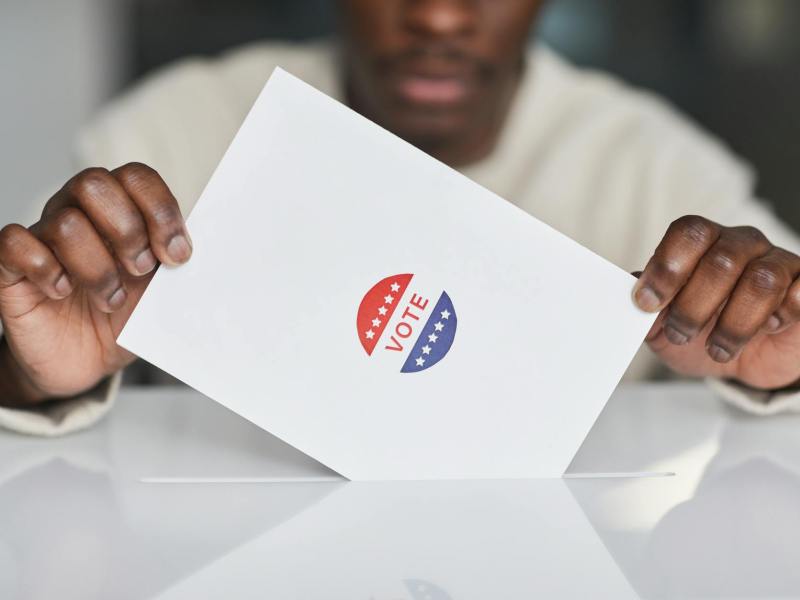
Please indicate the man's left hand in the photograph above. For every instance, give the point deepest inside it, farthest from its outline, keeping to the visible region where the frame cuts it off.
(729, 304)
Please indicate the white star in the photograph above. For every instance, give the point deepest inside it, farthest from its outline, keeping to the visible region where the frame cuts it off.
(433, 337)
(395, 287)
(426, 349)
(438, 326)
(420, 361)
(376, 322)
(388, 299)
(445, 314)
(382, 310)
(370, 334)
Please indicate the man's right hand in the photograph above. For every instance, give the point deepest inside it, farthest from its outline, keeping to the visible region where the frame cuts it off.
(69, 283)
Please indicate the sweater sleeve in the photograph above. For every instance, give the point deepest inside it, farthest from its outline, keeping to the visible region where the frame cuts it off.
(756, 402)
(63, 416)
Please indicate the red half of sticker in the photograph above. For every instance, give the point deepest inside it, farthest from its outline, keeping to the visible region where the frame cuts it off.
(377, 307)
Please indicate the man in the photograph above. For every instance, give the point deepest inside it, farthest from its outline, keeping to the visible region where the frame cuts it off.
(610, 167)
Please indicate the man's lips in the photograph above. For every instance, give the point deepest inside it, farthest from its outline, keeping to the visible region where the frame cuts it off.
(420, 89)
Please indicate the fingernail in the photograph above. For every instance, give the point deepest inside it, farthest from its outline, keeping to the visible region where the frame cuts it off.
(718, 353)
(63, 285)
(647, 299)
(773, 323)
(676, 337)
(179, 249)
(117, 299)
(145, 262)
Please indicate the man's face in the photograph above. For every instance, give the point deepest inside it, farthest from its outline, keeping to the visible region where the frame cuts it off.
(434, 71)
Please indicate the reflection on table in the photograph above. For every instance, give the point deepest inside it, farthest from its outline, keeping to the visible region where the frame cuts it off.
(76, 521)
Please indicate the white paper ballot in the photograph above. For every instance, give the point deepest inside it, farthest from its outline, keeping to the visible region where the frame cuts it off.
(381, 312)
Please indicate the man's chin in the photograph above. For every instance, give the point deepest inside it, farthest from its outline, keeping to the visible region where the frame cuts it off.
(429, 132)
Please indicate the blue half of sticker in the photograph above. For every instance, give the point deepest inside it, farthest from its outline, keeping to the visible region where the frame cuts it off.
(436, 338)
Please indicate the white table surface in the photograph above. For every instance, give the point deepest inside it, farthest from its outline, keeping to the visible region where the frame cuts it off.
(77, 521)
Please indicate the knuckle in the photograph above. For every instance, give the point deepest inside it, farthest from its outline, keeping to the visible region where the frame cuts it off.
(724, 262)
(695, 229)
(165, 215)
(767, 277)
(136, 174)
(39, 266)
(793, 300)
(129, 232)
(9, 238)
(666, 268)
(786, 257)
(67, 223)
(751, 235)
(88, 183)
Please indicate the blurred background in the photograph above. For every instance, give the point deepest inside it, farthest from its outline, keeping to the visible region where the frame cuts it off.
(731, 65)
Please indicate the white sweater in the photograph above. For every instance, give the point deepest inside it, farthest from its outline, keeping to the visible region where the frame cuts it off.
(609, 166)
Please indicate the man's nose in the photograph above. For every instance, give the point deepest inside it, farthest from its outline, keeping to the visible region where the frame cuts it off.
(441, 18)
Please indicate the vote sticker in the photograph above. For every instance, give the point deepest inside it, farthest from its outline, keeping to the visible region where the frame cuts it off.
(407, 323)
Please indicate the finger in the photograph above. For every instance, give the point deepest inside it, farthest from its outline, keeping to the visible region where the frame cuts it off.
(713, 280)
(169, 238)
(79, 247)
(691, 359)
(658, 326)
(673, 261)
(788, 312)
(758, 294)
(115, 216)
(23, 256)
